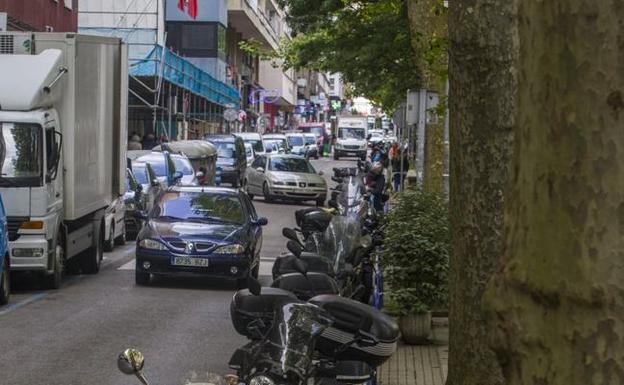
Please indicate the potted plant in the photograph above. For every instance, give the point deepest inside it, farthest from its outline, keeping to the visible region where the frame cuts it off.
(416, 259)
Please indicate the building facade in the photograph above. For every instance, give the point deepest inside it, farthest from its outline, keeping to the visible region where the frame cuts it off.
(41, 15)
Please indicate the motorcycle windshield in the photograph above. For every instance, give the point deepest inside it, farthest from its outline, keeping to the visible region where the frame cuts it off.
(352, 198)
(340, 240)
(293, 340)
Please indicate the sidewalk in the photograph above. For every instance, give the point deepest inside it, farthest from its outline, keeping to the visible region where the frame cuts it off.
(419, 364)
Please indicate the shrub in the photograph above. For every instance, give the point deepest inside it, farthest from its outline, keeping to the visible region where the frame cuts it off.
(416, 252)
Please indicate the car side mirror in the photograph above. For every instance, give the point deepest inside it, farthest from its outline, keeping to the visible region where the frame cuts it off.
(369, 136)
(290, 234)
(294, 248)
(139, 188)
(155, 182)
(177, 175)
(262, 221)
(131, 362)
(260, 169)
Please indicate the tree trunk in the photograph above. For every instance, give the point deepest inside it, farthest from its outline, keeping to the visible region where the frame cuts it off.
(558, 299)
(482, 94)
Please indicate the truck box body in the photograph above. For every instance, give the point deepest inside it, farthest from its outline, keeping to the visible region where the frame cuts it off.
(91, 101)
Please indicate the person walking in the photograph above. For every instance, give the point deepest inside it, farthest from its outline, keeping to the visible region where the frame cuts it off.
(134, 143)
(400, 165)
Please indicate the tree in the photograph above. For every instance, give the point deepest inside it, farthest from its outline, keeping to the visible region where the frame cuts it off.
(557, 299)
(482, 93)
(367, 41)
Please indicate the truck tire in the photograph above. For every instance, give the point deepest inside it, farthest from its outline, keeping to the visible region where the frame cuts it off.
(91, 259)
(5, 282)
(109, 244)
(53, 281)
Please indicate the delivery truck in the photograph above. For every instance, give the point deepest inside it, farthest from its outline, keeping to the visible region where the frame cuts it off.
(351, 137)
(63, 114)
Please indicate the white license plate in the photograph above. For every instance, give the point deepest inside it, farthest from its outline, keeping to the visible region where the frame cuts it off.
(188, 261)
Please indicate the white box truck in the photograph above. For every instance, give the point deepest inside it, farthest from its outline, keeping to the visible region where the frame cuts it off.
(63, 116)
(351, 137)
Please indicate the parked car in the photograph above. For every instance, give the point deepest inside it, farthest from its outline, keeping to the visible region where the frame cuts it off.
(280, 137)
(115, 224)
(375, 137)
(151, 185)
(274, 146)
(297, 143)
(135, 200)
(201, 154)
(249, 153)
(255, 139)
(5, 276)
(164, 167)
(313, 148)
(287, 177)
(232, 159)
(208, 231)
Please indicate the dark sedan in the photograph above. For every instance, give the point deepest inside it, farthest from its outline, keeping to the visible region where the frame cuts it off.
(214, 232)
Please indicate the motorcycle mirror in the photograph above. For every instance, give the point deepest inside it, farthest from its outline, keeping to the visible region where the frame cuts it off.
(254, 286)
(294, 248)
(300, 266)
(290, 234)
(131, 361)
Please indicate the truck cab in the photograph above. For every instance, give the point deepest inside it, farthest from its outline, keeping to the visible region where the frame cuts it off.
(351, 137)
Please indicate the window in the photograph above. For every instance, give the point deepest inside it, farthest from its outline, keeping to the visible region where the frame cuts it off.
(201, 207)
(298, 165)
(197, 39)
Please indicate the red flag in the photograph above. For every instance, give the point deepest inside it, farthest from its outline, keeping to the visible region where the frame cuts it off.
(181, 5)
(193, 9)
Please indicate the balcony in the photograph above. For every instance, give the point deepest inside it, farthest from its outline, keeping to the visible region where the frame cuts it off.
(247, 18)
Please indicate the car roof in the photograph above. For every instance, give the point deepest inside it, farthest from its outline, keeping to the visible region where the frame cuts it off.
(248, 135)
(294, 134)
(204, 189)
(152, 157)
(274, 136)
(309, 134)
(220, 138)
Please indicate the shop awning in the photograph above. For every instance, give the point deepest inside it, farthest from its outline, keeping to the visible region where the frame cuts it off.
(183, 73)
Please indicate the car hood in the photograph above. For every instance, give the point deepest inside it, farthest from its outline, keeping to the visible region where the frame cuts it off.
(216, 232)
(297, 177)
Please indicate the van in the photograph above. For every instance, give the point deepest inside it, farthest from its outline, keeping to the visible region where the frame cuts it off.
(231, 157)
(255, 140)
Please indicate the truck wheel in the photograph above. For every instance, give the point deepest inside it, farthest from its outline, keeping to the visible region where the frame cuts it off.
(109, 244)
(5, 282)
(141, 278)
(121, 240)
(53, 281)
(91, 259)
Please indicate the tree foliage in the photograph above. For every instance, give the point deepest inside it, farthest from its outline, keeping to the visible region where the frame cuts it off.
(368, 42)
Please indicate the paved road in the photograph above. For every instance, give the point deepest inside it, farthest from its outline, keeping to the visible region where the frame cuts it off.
(73, 335)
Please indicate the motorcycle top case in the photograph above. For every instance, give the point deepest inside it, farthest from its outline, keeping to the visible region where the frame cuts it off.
(313, 219)
(350, 317)
(316, 263)
(252, 315)
(306, 286)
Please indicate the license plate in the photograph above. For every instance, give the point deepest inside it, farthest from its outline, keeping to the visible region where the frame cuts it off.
(188, 261)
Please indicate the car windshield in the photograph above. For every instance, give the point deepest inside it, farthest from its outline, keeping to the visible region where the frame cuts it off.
(225, 149)
(291, 165)
(295, 140)
(23, 152)
(256, 144)
(310, 139)
(199, 206)
(273, 145)
(352, 133)
(183, 165)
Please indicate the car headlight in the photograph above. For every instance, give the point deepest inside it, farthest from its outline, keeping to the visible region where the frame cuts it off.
(277, 182)
(152, 244)
(261, 380)
(230, 249)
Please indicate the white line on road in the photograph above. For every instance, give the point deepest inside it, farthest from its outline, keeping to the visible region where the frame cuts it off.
(128, 266)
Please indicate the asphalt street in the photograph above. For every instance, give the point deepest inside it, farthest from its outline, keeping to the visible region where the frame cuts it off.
(73, 335)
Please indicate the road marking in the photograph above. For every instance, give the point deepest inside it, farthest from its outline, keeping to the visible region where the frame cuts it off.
(128, 266)
(17, 305)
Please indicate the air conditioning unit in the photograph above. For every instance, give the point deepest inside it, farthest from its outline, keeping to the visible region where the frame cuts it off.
(19, 44)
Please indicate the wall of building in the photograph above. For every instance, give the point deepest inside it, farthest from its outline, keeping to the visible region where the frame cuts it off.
(36, 15)
(208, 10)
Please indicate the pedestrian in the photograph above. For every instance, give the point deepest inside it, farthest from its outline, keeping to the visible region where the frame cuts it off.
(134, 143)
(376, 183)
(149, 142)
(400, 166)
